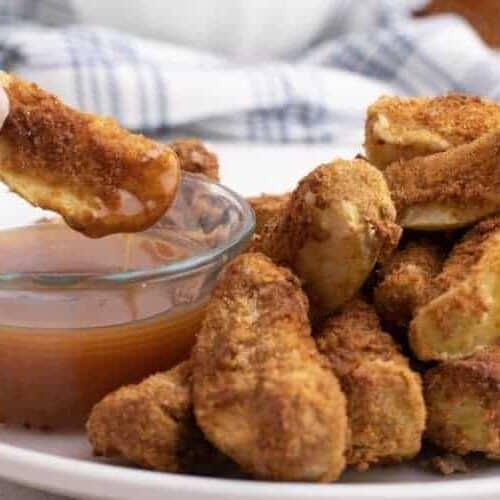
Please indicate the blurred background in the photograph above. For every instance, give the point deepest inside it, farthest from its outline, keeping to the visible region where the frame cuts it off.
(260, 71)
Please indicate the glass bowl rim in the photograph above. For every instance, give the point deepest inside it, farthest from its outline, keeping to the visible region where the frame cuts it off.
(175, 269)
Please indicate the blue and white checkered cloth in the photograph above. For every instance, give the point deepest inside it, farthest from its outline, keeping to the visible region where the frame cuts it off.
(320, 95)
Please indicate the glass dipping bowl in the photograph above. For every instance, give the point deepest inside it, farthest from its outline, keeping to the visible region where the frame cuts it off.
(81, 317)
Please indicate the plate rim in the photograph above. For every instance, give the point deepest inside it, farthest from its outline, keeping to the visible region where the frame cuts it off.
(16, 463)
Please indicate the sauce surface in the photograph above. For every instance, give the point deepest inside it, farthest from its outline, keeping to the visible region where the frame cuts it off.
(62, 348)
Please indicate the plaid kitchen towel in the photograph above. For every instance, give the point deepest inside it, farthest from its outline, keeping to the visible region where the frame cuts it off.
(320, 95)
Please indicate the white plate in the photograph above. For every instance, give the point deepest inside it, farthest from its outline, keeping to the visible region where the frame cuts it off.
(62, 462)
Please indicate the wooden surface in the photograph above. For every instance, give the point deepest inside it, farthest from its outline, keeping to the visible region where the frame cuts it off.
(484, 15)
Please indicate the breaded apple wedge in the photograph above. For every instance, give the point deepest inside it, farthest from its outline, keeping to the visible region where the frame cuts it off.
(406, 280)
(148, 423)
(99, 177)
(262, 393)
(195, 158)
(267, 207)
(385, 406)
(401, 128)
(448, 190)
(151, 424)
(464, 313)
(463, 403)
(339, 222)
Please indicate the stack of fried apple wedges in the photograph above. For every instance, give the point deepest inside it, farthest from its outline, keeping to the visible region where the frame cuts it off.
(370, 267)
(297, 373)
(363, 320)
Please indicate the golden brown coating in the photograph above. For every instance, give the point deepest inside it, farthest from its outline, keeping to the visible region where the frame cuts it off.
(401, 128)
(149, 423)
(268, 207)
(385, 405)
(466, 254)
(464, 312)
(354, 336)
(195, 158)
(339, 222)
(448, 190)
(463, 402)
(262, 393)
(152, 425)
(406, 281)
(99, 177)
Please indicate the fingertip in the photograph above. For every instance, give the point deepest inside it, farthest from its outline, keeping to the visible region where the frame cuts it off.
(4, 106)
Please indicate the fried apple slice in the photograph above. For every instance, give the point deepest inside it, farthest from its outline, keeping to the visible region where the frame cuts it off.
(267, 207)
(407, 280)
(463, 403)
(339, 222)
(151, 424)
(401, 128)
(464, 315)
(99, 177)
(262, 393)
(195, 158)
(448, 190)
(385, 405)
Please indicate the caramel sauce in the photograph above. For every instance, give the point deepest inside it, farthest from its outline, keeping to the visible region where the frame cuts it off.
(63, 347)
